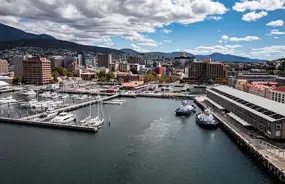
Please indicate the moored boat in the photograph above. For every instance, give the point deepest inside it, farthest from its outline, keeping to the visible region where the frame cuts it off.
(186, 109)
(206, 120)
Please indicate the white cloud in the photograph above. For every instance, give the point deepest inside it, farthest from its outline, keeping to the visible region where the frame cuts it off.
(220, 41)
(277, 23)
(276, 37)
(225, 49)
(235, 39)
(166, 31)
(268, 51)
(148, 44)
(276, 32)
(268, 5)
(225, 37)
(167, 41)
(216, 18)
(252, 16)
(90, 21)
(137, 48)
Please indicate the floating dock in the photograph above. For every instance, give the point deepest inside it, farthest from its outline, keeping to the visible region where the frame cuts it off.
(271, 157)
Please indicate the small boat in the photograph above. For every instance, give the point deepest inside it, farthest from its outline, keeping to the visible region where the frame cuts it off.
(186, 109)
(29, 93)
(8, 99)
(206, 120)
(49, 114)
(64, 96)
(64, 118)
(114, 102)
(45, 95)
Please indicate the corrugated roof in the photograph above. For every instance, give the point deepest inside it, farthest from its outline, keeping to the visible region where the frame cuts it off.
(265, 103)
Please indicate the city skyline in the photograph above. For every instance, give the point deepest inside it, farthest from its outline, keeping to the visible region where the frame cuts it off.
(252, 29)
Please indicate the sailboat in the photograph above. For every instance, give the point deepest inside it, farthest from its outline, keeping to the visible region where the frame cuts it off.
(94, 122)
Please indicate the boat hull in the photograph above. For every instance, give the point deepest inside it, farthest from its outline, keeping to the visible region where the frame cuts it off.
(184, 113)
(206, 125)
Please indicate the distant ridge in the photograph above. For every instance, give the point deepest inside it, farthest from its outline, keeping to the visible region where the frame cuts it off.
(8, 33)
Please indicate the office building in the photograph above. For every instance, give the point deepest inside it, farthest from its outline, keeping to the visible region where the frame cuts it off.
(81, 59)
(277, 94)
(4, 66)
(136, 60)
(67, 60)
(18, 65)
(263, 114)
(36, 70)
(205, 70)
(56, 61)
(124, 67)
(184, 61)
(104, 60)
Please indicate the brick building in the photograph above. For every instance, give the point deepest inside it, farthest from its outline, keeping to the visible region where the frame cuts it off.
(36, 70)
(4, 66)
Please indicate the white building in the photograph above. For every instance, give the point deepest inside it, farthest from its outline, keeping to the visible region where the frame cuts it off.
(277, 94)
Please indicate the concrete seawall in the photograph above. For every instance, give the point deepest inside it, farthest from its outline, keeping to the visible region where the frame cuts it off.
(272, 164)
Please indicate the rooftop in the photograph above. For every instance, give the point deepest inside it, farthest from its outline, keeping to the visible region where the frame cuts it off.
(264, 106)
(281, 89)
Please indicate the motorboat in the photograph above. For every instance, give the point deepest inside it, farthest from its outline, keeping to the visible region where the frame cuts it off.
(8, 99)
(64, 96)
(206, 120)
(114, 102)
(29, 93)
(49, 114)
(45, 95)
(64, 118)
(186, 109)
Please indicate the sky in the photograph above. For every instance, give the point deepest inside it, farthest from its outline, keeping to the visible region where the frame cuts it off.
(250, 28)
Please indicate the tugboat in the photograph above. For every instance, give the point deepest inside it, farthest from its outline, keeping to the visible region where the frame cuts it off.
(206, 120)
(186, 109)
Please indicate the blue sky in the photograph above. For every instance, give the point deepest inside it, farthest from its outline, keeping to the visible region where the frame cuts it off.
(251, 28)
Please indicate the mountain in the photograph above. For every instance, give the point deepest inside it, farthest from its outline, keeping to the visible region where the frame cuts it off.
(8, 33)
(56, 44)
(130, 51)
(164, 54)
(227, 57)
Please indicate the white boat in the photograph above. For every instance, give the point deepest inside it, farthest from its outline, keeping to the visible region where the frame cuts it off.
(29, 93)
(94, 122)
(8, 99)
(114, 102)
(45, 95)
(47, 116)
(64, 118)
(64, 96)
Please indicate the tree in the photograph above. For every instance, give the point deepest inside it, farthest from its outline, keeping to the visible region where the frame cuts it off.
(112, 75)
(121, 80)
(70, 74)
(148, 78)
(17, 79)
(55, 75)
(225, 81)
(101, 74)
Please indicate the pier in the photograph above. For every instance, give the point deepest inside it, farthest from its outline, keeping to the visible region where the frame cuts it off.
(271, 157)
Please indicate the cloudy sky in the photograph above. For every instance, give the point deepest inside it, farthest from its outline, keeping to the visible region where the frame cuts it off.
(252, 28)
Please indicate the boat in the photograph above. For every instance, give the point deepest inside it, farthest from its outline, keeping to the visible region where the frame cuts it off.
(29, 93)
(64, 118)
(45, 95)
(49, 114)
(8, 99)
(206, 120)
(114, 102)
(94, 122)
(186, 109)
(64, 96)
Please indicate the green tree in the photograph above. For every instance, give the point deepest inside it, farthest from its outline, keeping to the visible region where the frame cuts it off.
(121, 80)
(112, 75)
(225, 81)
(148, 78)
(70, 74)
(101, 74)
(55, 75)
(17, 79)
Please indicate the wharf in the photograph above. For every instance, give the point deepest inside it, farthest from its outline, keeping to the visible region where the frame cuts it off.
(271, 157)
(9, 90)
(168, 95)
(48, 125)
(85, 93)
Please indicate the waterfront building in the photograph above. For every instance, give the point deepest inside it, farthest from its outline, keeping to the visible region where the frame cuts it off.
(4, 66)
(104, 60)
(281, 81)
(36, 70)
(205, 70)
(265, 115)
(123, 67)
(252, 78)
(277, 94)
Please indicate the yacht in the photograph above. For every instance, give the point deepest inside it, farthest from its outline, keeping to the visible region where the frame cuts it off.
(49, 114)
(114, 102)
(29, 93)
(45, 95)
(63, 118)
(185, 110)
(94, 122)
(206, 120)
(8, 99)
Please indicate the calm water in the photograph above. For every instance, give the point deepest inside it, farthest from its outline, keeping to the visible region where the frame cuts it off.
(145, 143)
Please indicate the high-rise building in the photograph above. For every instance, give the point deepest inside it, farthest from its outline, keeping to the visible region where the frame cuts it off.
(56, 61)
(68, 60)
(36, 70)
(206, 70)
(123, 67)
(4, 66)
(104, 60)
(81, 59)
(18, 65)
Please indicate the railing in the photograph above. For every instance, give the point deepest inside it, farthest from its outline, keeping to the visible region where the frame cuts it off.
(276, 151)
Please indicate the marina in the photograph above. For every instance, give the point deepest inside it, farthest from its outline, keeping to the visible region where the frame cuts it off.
(144, 133)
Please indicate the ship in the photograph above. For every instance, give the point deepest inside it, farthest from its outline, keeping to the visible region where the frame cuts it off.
(186, 109)
(206, 120)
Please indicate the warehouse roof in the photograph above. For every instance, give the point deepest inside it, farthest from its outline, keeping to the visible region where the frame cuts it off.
(259, 104)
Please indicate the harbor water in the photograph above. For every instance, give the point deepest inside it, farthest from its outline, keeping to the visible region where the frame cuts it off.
(145, 143)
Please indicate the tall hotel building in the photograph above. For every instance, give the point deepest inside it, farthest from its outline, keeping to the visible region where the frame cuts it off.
(37, 71)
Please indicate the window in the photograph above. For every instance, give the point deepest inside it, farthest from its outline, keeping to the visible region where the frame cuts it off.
(278, 126)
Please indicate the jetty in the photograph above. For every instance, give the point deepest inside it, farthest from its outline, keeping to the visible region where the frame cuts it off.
(270, 156)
